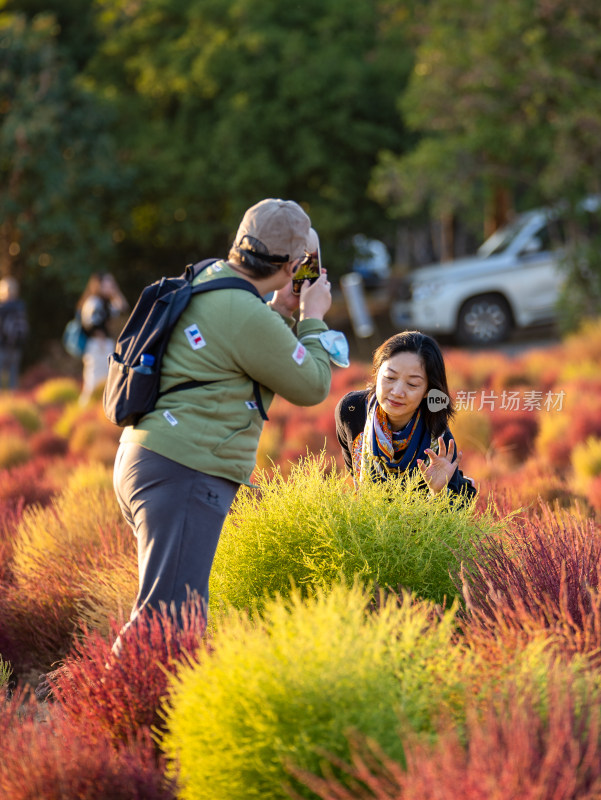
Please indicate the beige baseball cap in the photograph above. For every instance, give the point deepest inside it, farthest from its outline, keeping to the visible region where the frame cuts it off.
(281, 226)
(312, 245)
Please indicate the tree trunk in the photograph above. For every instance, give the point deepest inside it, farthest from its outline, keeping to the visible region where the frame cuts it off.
(499, 211)
(447, 237)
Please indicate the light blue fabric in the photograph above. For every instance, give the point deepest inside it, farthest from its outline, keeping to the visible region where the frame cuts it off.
(336, 346)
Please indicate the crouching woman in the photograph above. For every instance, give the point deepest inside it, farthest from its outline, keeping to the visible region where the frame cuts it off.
(399, 424)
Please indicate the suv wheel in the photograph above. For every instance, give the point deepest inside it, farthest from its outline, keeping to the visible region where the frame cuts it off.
(484, 320)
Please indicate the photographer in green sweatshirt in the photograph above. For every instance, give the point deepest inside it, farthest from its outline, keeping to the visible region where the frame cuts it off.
(177, 471)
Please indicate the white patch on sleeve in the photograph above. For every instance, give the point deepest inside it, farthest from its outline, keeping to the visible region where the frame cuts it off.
(252, 405)
(195, 338)
(169, 417)
(299, 353)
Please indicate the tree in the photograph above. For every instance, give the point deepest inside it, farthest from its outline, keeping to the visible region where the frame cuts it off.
(222, 104)
(60, 179)
(506, 96)
(75, 25)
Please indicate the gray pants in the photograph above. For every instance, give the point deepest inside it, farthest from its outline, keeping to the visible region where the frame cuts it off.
(10, 360)
(176, 514)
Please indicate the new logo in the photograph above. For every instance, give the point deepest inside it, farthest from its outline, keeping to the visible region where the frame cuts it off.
(437, 400)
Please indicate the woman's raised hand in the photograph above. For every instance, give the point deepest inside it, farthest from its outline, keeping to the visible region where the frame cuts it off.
(439, 471)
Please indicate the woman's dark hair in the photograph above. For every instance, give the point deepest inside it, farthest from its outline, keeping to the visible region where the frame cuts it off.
(252, 254)
(429, 353)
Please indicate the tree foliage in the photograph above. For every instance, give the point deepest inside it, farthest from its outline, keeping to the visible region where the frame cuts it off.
(227, 103)
(133, 135)
(60, 181)
(506, 94)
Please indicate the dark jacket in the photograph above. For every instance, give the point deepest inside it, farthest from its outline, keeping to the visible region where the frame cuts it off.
(14, 327)
(351, 413)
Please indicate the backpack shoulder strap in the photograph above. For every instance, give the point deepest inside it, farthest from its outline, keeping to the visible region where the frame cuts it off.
(192, 270)
(221, 283)
(227, 283)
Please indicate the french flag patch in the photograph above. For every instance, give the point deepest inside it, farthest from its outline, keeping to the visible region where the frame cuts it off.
(299, 353)
(195, 337)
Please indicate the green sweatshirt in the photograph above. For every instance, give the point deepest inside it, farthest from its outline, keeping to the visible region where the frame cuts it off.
(229, 336)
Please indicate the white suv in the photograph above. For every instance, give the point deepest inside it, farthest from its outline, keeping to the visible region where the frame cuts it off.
(513, 281)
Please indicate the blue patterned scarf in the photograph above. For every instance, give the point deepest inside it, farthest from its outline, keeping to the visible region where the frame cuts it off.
(378, 453)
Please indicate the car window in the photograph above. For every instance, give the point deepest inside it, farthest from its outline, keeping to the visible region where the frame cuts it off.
(501, 239)
(551, 236)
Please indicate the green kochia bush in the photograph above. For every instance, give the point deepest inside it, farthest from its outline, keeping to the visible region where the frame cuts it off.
(312, 528)
(5, 673)
(57, 391)
(282, 689)
(22, 410)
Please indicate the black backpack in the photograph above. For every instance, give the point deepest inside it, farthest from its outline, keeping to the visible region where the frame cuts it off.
(129, 394)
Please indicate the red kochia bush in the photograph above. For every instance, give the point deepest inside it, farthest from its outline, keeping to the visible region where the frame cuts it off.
(28, 483)
(514, 432)
(594, 493)
(9, 517)
(40, 609)
(55, 759)
(512, 752)
(10, 514)
(47, 443)
(545, 570)
(584, 421)
(534, 559)
(119, 694)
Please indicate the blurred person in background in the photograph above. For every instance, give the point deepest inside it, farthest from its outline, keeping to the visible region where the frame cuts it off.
(14, 329)
(372, 260)
(399, 424)
(101, 300)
